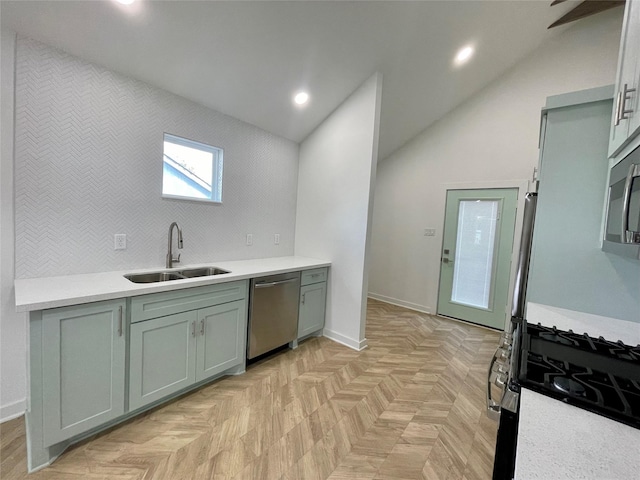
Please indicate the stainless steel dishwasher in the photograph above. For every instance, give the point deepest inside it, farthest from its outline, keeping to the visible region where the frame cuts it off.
(273, 312)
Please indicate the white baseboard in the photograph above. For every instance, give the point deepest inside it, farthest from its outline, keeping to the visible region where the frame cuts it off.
(344, 340)
(400, 303)
(13, 410)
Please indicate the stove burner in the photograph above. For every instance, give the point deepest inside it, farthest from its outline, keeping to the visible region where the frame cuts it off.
(596, 374)
(554, 337)
(569, 386)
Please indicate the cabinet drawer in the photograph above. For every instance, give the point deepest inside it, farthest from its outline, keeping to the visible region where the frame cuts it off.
(314, 276)
(167, 303)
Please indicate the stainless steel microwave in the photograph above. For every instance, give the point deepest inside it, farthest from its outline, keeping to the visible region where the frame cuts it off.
(622, 229)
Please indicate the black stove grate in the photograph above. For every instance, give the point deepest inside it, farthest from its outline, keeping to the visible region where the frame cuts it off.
(595, 374)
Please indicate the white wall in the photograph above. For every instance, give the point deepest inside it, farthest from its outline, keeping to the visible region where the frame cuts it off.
(493, 138)
(12, 325)
(88, 165)
(335, 181)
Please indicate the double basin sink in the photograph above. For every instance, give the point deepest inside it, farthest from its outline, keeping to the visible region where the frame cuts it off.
(166, 276)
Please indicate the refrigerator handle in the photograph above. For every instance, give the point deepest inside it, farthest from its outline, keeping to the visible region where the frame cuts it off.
(524, 256)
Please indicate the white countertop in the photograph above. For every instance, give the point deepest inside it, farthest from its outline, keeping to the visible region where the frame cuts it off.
(50, 292)
(611, 329)
(557, 440)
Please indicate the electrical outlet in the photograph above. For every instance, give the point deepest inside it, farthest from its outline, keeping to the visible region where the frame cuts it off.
(249, 239)
(276, 238)
(429, 232)
(119, 241)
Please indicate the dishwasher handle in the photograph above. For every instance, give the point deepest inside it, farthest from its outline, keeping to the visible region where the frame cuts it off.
(273, 284)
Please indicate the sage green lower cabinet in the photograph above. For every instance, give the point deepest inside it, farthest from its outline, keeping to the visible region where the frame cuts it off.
(168, 343)
(83, 368)
(198, 333)
(313, 299)
(162, 357)
(222, 338)
(171, 353)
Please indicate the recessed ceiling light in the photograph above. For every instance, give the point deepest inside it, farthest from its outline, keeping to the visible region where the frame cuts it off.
(125, 2)
(301, 98)
(463, 55)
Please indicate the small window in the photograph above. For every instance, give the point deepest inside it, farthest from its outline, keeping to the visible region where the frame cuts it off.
(191, 170)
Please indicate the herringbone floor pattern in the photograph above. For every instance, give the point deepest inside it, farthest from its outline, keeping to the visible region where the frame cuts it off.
(411, 406)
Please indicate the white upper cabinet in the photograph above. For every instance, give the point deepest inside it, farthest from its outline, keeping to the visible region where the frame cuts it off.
(626, 117)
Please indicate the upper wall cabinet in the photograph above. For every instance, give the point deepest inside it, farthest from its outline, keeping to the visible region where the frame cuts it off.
(626, 117)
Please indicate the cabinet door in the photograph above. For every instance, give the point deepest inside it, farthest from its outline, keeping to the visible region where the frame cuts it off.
(634, 103)
(313, 299)
(83, 358)
(628, 75)
(162, 357)
(221, 338)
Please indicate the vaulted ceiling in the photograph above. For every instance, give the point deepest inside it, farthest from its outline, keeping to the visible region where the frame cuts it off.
(246, 59)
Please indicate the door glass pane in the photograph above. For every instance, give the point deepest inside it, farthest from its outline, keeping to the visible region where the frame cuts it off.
(475, 246)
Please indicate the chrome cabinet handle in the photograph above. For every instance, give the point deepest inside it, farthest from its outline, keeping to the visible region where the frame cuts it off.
(626, 95)
(202, 327)
(120, 321)
(303, 298)
(616, 115)
(621, 104)
(193, 328)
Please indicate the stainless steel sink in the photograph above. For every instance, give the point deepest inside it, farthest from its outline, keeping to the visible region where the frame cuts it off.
(154, 277)
(202, 272)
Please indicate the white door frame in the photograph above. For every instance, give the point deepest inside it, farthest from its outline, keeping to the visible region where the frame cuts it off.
(523, 187)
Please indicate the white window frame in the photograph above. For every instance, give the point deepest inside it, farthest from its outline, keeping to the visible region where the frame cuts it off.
(216, 171)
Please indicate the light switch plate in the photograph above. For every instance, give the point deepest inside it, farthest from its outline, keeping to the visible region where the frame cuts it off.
(276, 238)
(249, 239)
(429, 232)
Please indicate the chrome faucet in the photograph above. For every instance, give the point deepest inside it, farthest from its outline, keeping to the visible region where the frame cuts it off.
(170, 257)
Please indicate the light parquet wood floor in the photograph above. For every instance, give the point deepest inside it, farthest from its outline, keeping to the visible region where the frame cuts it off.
(411, 406)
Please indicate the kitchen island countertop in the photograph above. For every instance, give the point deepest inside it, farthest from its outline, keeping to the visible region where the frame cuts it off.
(51, 292)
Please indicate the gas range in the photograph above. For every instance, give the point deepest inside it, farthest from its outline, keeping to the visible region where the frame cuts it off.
(591, 373)
(594, 374)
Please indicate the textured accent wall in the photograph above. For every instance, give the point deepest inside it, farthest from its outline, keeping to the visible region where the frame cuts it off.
(88, 165)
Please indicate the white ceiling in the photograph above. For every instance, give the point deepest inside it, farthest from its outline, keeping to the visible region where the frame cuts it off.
(246, 59)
